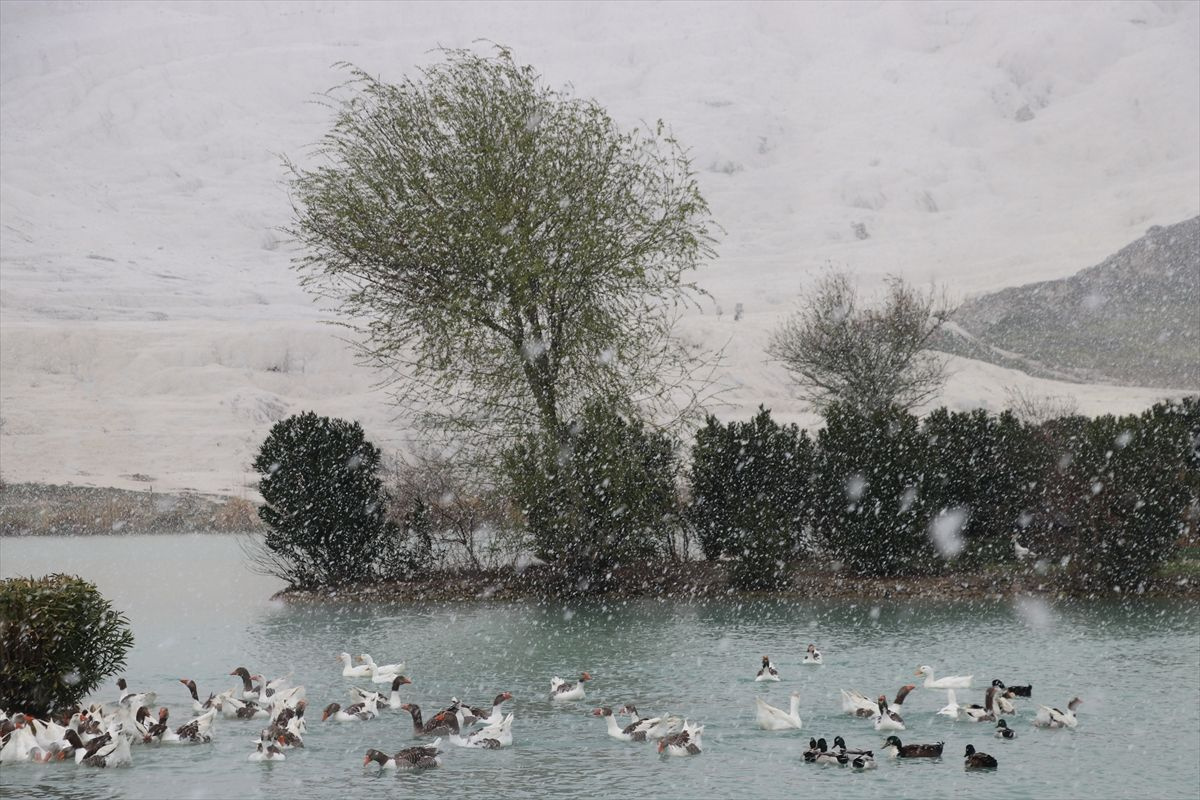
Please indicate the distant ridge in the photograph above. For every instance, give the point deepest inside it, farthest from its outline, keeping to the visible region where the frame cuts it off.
(1133, 319)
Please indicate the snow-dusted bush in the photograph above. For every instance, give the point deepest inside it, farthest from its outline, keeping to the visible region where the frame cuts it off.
(325, 507)
(602, 496)
(751, 497)
(59, 638)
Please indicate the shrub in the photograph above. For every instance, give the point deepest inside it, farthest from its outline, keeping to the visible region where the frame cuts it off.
(603, 497)
(1118, 491)
(325, 506)
(751, 496)
(59, 638)
(871, 510)
(983, 467)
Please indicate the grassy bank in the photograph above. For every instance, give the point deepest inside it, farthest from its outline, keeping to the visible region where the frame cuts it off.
(32, 509)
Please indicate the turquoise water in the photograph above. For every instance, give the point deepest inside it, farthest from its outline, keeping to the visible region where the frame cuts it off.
(197, 613)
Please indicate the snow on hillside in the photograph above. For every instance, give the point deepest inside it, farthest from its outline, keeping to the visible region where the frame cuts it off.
(150, 326)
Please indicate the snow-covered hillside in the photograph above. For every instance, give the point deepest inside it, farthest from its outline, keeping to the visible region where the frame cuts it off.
(150, 327)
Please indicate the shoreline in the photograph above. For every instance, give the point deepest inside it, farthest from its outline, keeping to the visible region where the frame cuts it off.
(703, 580)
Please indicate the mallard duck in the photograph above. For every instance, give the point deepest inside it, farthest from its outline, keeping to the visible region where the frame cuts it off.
(1054, 718)
(948, 682)
(895, 749)
(767, 672)
(814, 749)
(419, 757)
(1004, 732)
(770, 718)
(973, 760)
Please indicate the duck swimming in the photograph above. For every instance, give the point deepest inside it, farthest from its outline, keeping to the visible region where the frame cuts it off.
(973, 760)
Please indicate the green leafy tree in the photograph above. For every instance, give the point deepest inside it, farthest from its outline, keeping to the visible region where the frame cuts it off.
(751, 496)
(59, 638)
(324, 505)
(504, 249)
(604, 497)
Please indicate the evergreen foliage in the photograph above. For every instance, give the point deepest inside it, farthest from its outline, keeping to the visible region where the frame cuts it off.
(604, 497)
(751, 496)
(59, 638)
(872, 510)
(325, 506)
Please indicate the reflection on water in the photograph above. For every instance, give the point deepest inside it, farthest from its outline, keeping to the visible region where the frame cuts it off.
(198, 613)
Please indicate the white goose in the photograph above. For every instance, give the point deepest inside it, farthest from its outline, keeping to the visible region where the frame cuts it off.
(813, 656)
(265, 752)
(1054, 718)
(114, 754)
(633, 732)
(21, 744)
(393, 700)
(948, 682)
(492, 737)
(770, 718)
(858, 704)
(1022, 553)
(951, 708)
(655, 727)
(381, 673)
(351, 671)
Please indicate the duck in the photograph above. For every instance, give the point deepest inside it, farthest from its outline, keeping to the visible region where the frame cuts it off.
(895, 749)
(420, 757)
(826, 757)
(267, 752)
(1022, 553)
(249, 690)
(351, 671)
(381, 673)
(568, 690)
(813, 656)
(114, 753)
(1054, 718)
(21, 742)
(863, 761)
(491, 737)
(813, 750)
(197, 706)
(684, 743)
(767, 672)
(858, 704)
(1015, 691)
(973, 760)
(949, 682)
(839, 745)
(770, 718)
(981, 713)
(493, 715)
(655, 727)
(436, 726)
(198, 731)
(358, 712)
(886, 719)
(135, 700)
(633, 732)
(1004, 732)
(951, 708)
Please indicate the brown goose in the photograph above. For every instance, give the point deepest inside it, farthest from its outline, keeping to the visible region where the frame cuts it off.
(684, 743)
(633, 732)
(197, 706)
(895, 749)
(436, 726)
(359, 712)
(568, 690)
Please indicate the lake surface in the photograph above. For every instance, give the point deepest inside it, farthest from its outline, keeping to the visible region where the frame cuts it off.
(197, 612)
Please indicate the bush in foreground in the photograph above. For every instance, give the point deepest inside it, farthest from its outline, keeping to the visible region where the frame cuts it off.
(59, 638)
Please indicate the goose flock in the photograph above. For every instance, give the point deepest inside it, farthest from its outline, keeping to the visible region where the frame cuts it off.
(997, 703)
(102, 734)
